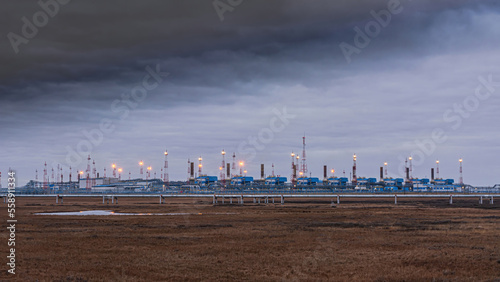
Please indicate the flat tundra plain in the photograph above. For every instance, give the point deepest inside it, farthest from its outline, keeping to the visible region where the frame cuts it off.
(191, 239)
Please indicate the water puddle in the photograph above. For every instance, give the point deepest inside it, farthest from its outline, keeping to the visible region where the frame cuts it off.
(103, 212)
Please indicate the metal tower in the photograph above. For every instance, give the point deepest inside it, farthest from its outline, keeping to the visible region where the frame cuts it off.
(141, 171)
(104, 173)
(52, 176)
(272, 165)
(411, 169)
(58, 175)
(354, 177)
(200, 166)
(94, 173)
(437, 169)
(234, 164)
(88, 184)
(114, 170)
(407, 172)
(386, 174)
(223, 168)
(303, 166)
(148, 173)
(69, 174)
(45, 177)
(165, 169)
(461, 174)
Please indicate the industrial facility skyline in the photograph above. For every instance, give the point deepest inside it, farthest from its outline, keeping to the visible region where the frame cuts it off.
(383, 79)
(237, 167)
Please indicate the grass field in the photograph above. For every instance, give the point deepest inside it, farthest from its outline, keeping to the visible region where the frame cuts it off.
(367, 240)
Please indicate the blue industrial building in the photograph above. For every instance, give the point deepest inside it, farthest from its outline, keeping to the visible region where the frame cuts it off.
(205, 180)
(307, 181)
(420, 181)
(393, 182)
(275, 180)
(363, 181)
(444, 181)
(338, 181)
(241, 180)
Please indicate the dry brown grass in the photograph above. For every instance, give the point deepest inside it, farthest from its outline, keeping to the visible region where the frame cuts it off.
(362, 240)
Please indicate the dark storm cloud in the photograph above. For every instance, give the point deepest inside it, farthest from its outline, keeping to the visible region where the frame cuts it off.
(263, 55)
(92, 41)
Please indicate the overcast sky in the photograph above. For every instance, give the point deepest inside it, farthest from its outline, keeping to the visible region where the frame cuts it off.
(267, 71)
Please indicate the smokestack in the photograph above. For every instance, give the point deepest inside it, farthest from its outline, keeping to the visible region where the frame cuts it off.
(324, 172)
(261, 171)
(294, 172)
(192, 170)
(432, 174)
(354, 176)
(78, 177)
(407, 174)
(98, 175)
(228, 170)
(381, 173)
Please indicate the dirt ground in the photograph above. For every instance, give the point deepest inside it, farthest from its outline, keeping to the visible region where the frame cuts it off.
(362, 240)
